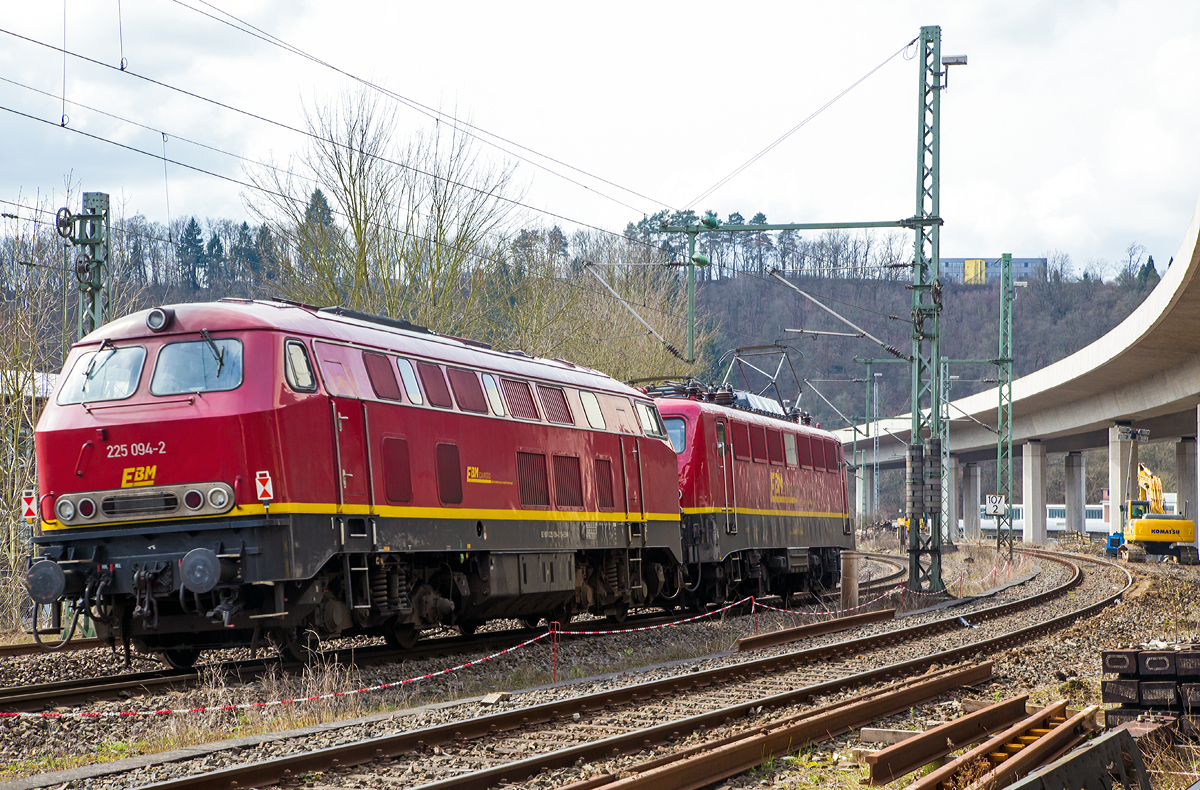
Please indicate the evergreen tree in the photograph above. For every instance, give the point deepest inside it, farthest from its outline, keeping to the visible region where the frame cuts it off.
(214, 259)
(191, 253)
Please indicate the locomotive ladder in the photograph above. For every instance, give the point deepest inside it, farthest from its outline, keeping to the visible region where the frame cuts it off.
(358, 580)
(633, 554)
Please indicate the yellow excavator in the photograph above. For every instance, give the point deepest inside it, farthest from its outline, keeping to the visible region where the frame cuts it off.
(1149, 530)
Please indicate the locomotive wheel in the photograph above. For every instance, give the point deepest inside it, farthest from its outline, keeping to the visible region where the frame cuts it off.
(467, 629)
(301, 646)
(530, 622)
(180, 658)
(402, 636)
(619, 614)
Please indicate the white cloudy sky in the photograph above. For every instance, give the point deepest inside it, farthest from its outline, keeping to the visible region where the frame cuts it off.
(1074, 127)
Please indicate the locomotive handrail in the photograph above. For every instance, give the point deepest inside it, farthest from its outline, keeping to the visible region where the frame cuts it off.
(189, 400)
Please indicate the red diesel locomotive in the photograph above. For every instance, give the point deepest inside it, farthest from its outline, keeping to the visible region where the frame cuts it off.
(228, 474)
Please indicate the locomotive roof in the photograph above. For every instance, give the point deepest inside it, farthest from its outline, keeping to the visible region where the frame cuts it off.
(231, 315)
(743, 414)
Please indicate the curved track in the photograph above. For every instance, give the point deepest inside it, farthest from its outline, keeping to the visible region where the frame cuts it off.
(740, 679)
(108, 687)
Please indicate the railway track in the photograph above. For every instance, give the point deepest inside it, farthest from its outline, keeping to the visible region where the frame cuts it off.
(82, 690)
(495, 749)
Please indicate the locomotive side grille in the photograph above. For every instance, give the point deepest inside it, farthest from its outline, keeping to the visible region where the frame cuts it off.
(832, 456)
(467, 390)
(382, 376)
(397, 471)
(806, 455)
(142, 504)
(568, 481)
(758, 442)
(449, 475)
(520, 399)
(435, 385)
(604, 482)
(775, 446)
(531, 479)
(741, 440)
(555, 403)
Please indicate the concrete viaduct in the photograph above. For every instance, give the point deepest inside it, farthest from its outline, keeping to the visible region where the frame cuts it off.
(1145, 373)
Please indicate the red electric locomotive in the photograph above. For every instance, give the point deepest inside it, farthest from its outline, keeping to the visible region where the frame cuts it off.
(217, 475)
(763, 499)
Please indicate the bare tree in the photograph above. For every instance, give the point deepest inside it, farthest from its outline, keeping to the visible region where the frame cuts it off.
(411, 232)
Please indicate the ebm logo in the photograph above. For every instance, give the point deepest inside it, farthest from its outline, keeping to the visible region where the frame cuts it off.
(136, 476)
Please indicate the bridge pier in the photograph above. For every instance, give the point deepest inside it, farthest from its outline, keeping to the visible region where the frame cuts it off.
(971, 501)
(866, 489)
(1185, 475)
(1076, 491)
(1033, 492)
(1122, 467)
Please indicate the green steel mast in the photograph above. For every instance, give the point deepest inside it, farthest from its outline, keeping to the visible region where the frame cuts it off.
(924, 452)
(1004, 410)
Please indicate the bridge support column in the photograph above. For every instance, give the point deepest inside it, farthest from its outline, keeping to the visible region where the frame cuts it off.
(1185, 475)
(952, 498)
(1076, 493)
(971, 501)
(1122, 467)
(866, 490)
(1033, 473)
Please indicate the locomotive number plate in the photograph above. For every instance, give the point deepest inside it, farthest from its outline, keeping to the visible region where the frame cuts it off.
(137, 449)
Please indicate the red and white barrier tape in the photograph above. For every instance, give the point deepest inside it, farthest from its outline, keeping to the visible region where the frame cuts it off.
(832, 612)
(269, 704)
(660, 625)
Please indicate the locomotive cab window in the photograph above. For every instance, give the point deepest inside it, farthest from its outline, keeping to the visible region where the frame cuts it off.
(649, 419)
(296, 367)
(410, 381)
(206, 365)
(107, 374)
(677, 433)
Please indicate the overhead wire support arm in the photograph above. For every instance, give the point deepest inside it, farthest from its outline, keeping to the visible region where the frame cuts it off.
(820, 333)
(830, 405)
(890, 349)
(588, 268)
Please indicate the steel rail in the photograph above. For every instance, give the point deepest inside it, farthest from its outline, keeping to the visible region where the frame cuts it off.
(32, 648)
(279, 769)
(701, 765)
(683, 771)
(109, 687)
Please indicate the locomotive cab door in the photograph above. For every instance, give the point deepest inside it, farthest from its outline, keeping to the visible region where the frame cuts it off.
(351, 464)
(350, 452)
(723, 491)
(631, 468)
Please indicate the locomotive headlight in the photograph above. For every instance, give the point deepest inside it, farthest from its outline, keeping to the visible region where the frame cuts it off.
(159, 318)
(87, 508)
(65, 510)
(218, 498)
(193, 499)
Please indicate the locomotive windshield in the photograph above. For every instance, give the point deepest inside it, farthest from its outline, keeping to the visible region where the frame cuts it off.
(199, 366)
(107, 374)
(677, 431)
